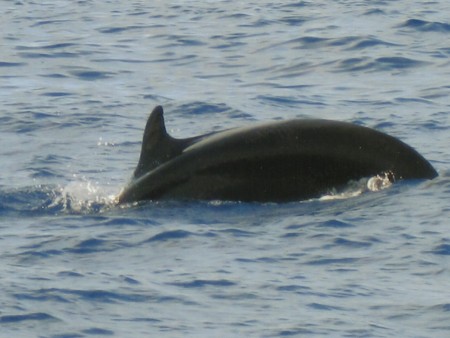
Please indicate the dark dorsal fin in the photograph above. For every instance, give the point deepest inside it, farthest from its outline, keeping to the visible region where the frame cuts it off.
(155, 129)
(158, 146)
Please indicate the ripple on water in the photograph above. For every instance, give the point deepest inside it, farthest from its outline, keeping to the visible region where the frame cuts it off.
(35, 316)
(426, 26)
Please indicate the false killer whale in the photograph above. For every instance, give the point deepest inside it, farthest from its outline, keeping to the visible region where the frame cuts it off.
(270, 162)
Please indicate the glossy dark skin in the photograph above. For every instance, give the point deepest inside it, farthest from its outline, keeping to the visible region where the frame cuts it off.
(273, 162)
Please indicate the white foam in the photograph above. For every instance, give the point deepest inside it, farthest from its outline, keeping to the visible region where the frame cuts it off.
(379, 182)
(82, 196)
(356, 188)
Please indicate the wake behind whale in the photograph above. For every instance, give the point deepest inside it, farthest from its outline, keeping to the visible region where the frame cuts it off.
(279, 161)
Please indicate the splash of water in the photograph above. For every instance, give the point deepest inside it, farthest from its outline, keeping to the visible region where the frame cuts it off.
(83, 196)
(380, 182)
(356, 188)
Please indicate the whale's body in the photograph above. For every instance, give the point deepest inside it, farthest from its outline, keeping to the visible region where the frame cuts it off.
(271, 162)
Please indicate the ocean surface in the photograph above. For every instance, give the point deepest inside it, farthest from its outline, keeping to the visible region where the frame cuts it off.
(77, 82)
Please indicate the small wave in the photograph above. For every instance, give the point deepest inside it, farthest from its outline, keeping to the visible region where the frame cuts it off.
(28, 200)
(12, 64)
(286, 101)
(169, 235)
(117, 29)
(56, 247)
(98, 332)
(38, 55)
(82, 197)
(375, 11)
(200, 108)
(313, 42)
(333, 261)
(426, 26)
(369, 42)
(178, 234)
(91, 75)
(442, 249)
(334, 223)
(323, 307)
(200, 283)
(50, 46)
(444, 307)
(343, 242)
(379, 64)
(91, 245)
(50, 22)
(57, 94)
(26, 317)
(100, 296)
(397, 62)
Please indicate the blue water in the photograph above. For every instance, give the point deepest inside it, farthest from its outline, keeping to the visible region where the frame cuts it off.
(77, 81)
